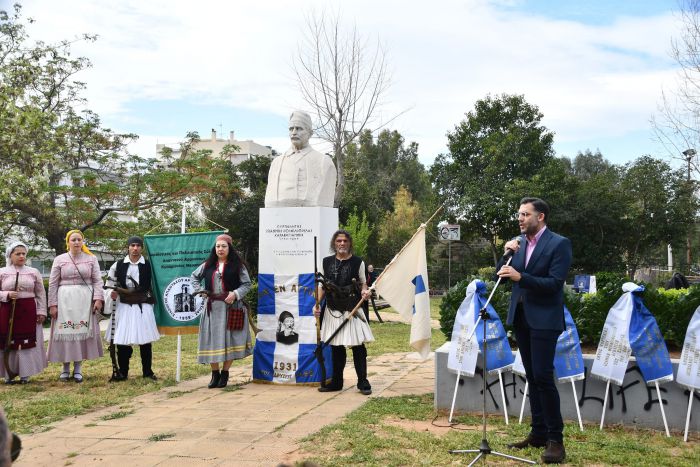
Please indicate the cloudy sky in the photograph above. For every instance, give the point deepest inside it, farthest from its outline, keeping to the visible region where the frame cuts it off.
(596, 69)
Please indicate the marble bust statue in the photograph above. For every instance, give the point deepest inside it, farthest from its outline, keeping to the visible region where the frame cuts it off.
(301, 176)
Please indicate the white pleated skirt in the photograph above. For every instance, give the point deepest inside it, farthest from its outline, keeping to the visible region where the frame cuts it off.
(133, 327)
(356, 332)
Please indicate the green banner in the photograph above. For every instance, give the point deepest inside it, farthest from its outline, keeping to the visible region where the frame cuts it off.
(173, 258)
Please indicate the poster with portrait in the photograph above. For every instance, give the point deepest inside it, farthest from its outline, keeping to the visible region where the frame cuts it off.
(285, 347)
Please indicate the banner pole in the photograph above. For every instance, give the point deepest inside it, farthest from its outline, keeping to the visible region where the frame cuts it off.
(578, 411)
(179, 336)
(503, 396)
(661, 406)
(687, 416)
(605, 404)
(454, 396)
(522, 406)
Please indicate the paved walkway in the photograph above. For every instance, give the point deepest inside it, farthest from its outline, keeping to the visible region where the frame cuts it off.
(246, 424)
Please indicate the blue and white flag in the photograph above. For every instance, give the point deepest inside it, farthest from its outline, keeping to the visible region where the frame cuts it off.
(689, 366)
(568, 359)
(284, 348)
(404, 284)
(463, 353)
(631, 329)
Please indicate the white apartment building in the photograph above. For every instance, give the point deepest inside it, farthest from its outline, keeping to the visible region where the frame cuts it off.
(246, 148)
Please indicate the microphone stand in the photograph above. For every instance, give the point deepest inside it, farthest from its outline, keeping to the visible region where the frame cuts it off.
(484, 447)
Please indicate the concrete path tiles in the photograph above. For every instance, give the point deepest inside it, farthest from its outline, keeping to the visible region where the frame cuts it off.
(246, 424)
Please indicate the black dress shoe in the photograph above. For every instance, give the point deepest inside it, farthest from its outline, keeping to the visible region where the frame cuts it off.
(215, 377)
(116, 377)
(151, 377)
(365, 388)
(329, 388)
(223, 380)
(554, 453)
(531, 440)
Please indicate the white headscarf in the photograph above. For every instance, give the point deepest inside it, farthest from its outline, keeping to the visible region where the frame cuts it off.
(10, 248)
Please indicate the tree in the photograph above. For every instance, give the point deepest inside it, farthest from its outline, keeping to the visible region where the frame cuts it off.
(375, 169)
(499, 145)
(658, 210)
(236, 204)
(360, 231)
(61, 168)
(398, 226)
(343, 81)
(587, 206)
(677, 124)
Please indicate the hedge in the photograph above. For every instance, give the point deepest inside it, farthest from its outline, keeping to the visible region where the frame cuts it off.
(672, 308)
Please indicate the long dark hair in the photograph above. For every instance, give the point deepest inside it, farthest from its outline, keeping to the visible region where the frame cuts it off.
(233, 257)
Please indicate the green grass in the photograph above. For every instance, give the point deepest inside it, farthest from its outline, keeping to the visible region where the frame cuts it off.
(391, 337)
(30, 407)
(161, 436)
(116, 415)
(402, 431)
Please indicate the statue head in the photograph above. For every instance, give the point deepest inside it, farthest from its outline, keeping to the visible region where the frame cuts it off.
(300, 129)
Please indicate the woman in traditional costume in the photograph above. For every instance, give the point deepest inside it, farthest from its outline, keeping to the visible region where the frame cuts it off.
(21, 290)
(224, 335)
(75, 296)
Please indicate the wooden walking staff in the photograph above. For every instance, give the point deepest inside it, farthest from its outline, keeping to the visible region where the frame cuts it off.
(8, 342)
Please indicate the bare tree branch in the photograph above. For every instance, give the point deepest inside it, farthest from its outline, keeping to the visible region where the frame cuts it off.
(343, 82)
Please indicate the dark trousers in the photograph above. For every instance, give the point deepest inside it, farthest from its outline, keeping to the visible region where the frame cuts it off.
(537, 348)
(124, 355)
(359, 358)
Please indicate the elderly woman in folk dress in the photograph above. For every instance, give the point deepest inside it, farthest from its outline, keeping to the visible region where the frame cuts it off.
(75, 295)
(24, 286)
(224, 335)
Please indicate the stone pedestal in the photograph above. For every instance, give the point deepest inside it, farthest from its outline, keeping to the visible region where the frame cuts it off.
(286, 284)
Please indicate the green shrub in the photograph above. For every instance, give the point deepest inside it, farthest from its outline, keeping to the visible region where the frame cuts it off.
(455, 296)
(672, 309)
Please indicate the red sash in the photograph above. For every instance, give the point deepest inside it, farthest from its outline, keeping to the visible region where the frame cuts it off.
(24, 326)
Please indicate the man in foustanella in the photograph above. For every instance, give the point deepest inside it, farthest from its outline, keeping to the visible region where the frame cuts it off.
(346, 284)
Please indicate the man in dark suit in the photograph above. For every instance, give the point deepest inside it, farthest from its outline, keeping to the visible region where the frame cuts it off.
(538, 271)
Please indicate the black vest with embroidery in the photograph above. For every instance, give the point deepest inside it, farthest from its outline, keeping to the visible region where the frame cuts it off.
(341, 291)
(144, 276)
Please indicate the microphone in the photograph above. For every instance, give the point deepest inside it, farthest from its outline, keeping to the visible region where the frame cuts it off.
(510, 252)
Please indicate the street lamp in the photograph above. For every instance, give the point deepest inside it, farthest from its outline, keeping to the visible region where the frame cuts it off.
(689, 154)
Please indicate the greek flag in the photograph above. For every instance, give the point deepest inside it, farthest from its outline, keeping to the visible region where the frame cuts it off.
(463, 353)
(404, 284)
(631, 329)
(689, 366)
(568, 359)
(284, 349)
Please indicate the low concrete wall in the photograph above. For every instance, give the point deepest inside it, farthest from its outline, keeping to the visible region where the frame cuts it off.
(632, 404)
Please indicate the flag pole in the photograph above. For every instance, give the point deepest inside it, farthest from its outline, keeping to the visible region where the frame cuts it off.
(183, 227)
(422, 226)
